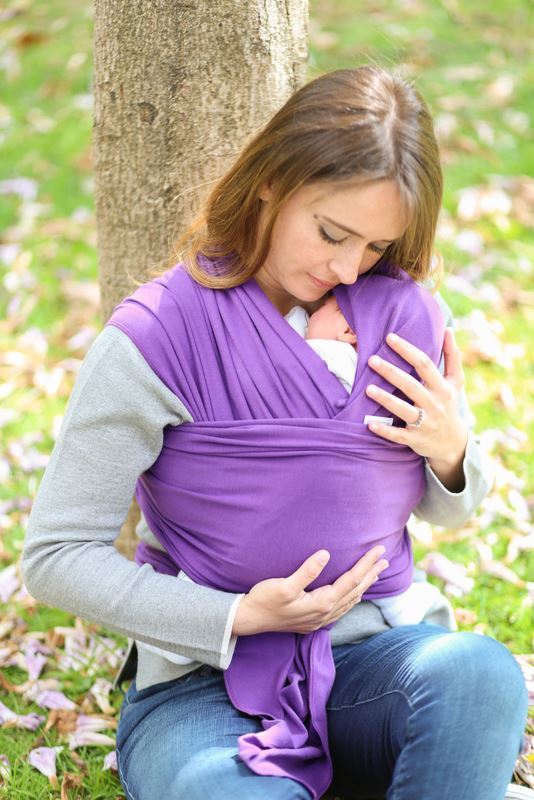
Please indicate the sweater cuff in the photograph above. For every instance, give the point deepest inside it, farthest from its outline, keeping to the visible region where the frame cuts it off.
(229, 641)
(439, 506)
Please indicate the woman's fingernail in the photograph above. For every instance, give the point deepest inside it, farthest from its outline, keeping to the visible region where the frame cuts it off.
(375, 361)
(372, 389)
(393, 337)
(380, 549)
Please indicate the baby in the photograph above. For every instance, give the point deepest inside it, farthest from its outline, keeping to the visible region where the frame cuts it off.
(330, 335)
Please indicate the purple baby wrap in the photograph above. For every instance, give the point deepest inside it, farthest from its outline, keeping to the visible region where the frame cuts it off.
(276, 465)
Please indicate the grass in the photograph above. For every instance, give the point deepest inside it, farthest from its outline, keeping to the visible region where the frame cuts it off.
(472, 62)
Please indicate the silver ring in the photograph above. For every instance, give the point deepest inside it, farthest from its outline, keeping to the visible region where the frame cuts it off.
(419, 421)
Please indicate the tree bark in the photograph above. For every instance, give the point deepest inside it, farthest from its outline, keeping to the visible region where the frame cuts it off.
(179, 87)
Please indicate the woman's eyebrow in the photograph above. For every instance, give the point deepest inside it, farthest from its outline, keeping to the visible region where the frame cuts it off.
(349, 230)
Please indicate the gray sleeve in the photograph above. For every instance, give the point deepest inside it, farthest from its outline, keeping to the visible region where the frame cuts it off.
(112, 431)
(452, 509)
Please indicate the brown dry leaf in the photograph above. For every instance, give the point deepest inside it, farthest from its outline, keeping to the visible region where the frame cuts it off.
(29, 38)
(78, 760)
(465, 616)
(54, 638)
(62, 719)
(6, 626)
(5, 556)
(71, 782)
(513, 295)
(6, 684)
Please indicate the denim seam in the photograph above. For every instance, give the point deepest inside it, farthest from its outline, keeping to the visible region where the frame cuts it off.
(398, 781)
(371, 699)
(122, 778)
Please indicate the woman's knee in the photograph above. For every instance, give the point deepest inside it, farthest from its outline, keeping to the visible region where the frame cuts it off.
(474, 669)
(218, 772)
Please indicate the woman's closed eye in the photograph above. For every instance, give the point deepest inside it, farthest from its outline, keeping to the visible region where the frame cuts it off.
(330, 240)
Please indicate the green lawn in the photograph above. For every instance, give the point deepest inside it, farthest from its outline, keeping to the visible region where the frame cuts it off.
(473, 63)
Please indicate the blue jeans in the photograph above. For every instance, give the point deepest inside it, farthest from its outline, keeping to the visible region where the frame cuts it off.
(415, 712)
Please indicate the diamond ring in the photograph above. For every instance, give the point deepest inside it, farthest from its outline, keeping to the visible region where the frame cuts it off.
(419, 421)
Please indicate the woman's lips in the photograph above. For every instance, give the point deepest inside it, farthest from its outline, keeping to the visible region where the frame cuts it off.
(322, 284)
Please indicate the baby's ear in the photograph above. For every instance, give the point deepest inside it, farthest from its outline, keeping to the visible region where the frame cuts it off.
(348, 336)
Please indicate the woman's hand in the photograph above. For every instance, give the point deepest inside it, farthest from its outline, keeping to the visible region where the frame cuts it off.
(441, 435)
(282, 604)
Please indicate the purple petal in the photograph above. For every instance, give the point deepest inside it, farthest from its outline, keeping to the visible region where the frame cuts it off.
(89, 738)
(40, 685)
(9, 582)
(4, 768)
(6, 656)
(100, 691)
(75, 655)
(9, 252)
(23, 187)
(44, 759)
(30, 721)
(6, 715)
(33, 645)
(85, 723)
(455, 575)
(110, 761)
(52, 699)
(34, 665)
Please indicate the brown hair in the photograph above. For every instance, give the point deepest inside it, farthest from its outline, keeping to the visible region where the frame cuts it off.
(352, 125)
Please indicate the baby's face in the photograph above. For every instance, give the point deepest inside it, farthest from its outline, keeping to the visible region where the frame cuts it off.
(328, 322)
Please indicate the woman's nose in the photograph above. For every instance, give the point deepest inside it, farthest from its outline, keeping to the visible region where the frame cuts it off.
(347, 268)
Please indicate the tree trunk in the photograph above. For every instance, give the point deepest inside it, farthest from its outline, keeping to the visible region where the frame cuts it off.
(179, 87)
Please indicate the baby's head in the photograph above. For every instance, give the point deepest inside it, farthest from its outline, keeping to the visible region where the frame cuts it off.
(328, 322)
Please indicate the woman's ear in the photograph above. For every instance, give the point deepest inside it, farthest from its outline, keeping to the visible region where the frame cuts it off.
(266, 192)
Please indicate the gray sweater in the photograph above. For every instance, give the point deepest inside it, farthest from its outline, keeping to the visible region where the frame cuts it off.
(112, 432)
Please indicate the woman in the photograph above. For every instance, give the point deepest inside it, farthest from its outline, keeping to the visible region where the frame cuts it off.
(344, 180)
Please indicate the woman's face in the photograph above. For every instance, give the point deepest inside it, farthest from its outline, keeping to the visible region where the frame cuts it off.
(330, 233)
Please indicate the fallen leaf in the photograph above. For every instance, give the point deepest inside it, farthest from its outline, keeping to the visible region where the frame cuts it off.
(465, 616)
(63, 720)
(71, 781)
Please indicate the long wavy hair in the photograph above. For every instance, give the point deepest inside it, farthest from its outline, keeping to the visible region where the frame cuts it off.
(352, 125)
